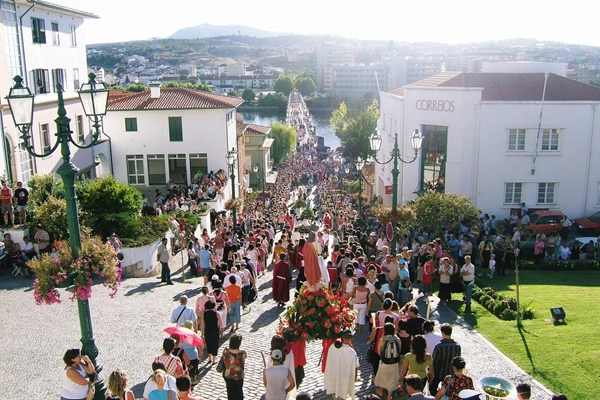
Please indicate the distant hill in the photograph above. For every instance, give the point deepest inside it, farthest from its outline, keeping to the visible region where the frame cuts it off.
(208, 31)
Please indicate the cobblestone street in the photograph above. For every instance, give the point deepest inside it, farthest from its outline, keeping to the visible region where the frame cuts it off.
(128, 332)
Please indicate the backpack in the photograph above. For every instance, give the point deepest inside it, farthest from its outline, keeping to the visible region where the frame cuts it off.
(390, 351)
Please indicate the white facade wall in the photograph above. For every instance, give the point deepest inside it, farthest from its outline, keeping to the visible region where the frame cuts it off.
(204, 131)
(48, 56)
(478, 160)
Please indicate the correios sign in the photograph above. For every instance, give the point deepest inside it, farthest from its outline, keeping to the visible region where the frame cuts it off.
(435, 105)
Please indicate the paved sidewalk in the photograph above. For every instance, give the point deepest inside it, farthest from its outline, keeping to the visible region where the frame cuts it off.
(128, 332)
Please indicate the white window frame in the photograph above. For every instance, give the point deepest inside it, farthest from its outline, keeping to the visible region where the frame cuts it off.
(73, 34)
(518, 144)
(153, 157)
(135, 177)
(76, 84)
(513, 192)
(55, 33)
(80, 130)
(25, 163)
(546, 193)
(40, 79)
(59, 75)
(45, 137)
(197, 156)
(598, 194)
(550, 139)
(38, 30)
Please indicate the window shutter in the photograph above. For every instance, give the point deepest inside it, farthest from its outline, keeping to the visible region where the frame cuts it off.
(175, 129)
(42, 29)
(54, 79)
(46, 81)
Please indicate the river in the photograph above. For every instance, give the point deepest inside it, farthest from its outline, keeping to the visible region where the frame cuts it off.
(321, 119)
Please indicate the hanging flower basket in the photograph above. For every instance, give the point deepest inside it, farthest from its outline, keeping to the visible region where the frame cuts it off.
(95, 258)
(316, 315)
(233, 204)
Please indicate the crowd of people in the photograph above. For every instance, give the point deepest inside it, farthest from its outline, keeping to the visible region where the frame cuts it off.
(407, 352)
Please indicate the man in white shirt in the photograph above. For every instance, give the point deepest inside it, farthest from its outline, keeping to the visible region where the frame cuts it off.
(238, 278)
(184, 313)
(468, 275)
(27, 248)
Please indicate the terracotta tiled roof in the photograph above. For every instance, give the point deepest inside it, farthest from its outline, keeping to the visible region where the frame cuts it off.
(525, 87)
(437, 79)
(257, 130)
(173, 99)
(513, 86)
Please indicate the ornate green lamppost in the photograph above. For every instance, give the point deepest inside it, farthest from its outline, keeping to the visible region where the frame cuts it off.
(359, 166)
(94, 99)
(261, 181)
(231, 158)
(416, 140)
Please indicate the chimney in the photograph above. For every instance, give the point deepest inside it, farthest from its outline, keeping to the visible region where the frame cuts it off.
(155, 90)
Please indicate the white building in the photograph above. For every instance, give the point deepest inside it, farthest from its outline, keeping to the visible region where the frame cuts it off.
(164, 133)
(48, 47)
(499, 138)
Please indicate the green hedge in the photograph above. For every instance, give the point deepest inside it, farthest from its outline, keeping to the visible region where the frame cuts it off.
(565, 265)
(501, 306)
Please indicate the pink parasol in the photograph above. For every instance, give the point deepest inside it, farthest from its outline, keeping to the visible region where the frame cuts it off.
(186, 335)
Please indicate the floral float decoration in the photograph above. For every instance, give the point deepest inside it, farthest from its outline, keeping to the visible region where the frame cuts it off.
(317, 314)
(233, 204)
(95, 258)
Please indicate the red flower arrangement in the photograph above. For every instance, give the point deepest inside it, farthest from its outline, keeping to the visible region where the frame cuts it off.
(316, 315)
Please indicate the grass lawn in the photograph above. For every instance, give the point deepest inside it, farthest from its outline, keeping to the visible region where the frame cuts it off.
(565, 358)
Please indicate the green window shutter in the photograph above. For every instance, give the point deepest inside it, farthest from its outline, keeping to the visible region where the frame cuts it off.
(175, 129)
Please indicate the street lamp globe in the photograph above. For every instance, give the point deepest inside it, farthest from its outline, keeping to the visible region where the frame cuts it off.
(255, 168)
(94, 97)
(346, 169)
(360, 164)
(231, 157)
(416, 140)
(20, 101)
(375, 141)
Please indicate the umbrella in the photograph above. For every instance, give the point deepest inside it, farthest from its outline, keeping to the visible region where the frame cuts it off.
(186, 335)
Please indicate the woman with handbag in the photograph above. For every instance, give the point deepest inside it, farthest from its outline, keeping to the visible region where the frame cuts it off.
(160, 378)
(233, 368)
(172, 363)
(77, 380)
(453, 384)
(211, 328)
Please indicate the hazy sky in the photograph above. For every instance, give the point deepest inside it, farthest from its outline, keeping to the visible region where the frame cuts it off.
(460, 21)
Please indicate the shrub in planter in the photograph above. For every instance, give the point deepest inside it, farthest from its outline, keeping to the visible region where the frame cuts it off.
(528, 313)
(508, 315)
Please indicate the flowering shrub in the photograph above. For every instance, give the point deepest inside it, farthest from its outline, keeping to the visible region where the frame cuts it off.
(501, 306)
(95, 258)
(232, 204)
(316, 315)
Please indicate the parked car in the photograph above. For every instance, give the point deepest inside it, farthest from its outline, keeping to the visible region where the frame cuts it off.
(526, 249)
(588, 225)
(545, 221)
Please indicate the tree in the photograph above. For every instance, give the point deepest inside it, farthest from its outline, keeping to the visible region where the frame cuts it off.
(438, 212)
(110, 206)
(284, 141)
(233, 93)
(52, 215)
(284, 84)
(306, 85)
(354, 132)
(273, 100)
(248, 95)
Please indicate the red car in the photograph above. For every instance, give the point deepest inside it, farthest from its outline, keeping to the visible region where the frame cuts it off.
(545, 221)
(589, 225)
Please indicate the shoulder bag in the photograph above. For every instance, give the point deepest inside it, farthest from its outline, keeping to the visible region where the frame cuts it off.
(92, 388)
(221, 364)
(446, 395)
